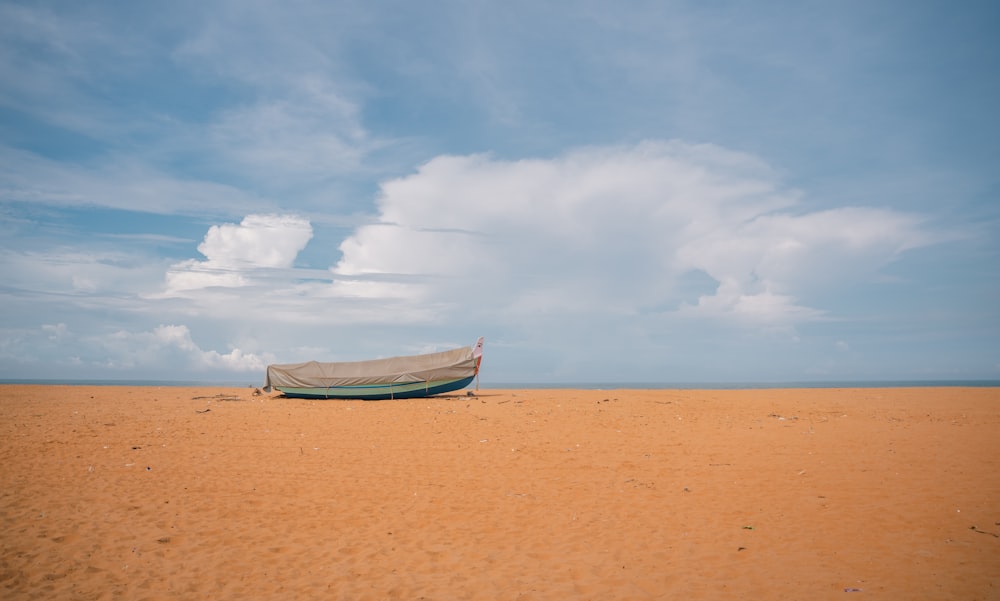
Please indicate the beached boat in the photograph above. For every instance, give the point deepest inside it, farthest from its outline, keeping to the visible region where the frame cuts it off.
(409, 377)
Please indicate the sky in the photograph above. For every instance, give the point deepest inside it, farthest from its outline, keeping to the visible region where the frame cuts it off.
(641, 191)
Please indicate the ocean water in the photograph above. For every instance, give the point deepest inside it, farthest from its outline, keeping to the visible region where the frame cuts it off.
(748, 385)
(155, 383)
(577, 385)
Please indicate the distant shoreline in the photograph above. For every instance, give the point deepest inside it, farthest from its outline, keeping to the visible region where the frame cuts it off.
(556, 385)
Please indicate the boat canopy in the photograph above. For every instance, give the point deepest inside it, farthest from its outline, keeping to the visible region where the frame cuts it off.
(446, 365)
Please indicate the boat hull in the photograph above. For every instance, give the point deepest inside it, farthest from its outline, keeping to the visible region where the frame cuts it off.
(378, 392)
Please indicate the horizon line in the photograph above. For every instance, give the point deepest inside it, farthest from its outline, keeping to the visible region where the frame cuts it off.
(595, 385)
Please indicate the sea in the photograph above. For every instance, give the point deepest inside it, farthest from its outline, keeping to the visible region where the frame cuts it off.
(571, 385)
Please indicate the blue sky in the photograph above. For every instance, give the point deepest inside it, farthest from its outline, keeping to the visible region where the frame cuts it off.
(635, 191)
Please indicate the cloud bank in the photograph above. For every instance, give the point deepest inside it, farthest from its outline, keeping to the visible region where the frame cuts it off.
(165, 352)
(624, 244)
(611, 230)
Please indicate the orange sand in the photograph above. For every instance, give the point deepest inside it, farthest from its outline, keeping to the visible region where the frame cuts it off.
(217, 493)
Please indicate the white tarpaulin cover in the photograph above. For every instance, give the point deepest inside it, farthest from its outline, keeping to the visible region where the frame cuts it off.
(446, 365)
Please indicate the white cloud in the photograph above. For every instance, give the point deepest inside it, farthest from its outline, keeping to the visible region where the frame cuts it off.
(258, 241)
(85, 275)
(179, 337)
(235, 251)
(165, 348)
(611, 230)
(56, 351)
(763, 262)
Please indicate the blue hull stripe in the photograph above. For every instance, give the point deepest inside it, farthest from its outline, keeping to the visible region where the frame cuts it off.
(378, 392)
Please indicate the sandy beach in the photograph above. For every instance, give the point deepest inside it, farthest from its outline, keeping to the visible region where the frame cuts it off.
(220, 493)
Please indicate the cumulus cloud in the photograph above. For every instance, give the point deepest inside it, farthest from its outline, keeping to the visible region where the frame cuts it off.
(234, 252)
(171, 346)
(612, 230)
(166, 350)
(761, 263)
(174, 337)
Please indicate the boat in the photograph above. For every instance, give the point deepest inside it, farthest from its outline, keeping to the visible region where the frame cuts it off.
(406, 377)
